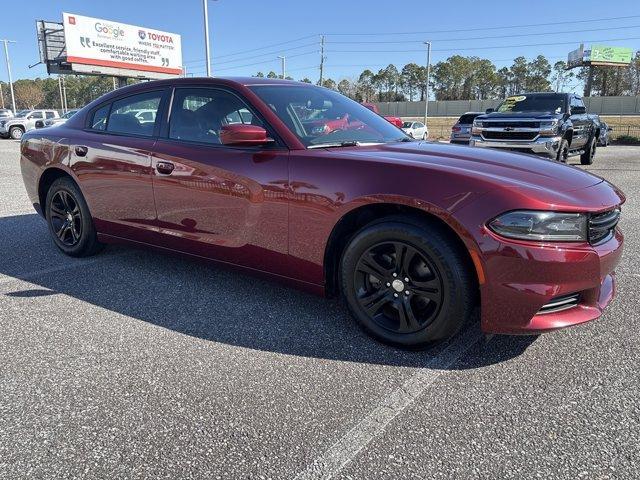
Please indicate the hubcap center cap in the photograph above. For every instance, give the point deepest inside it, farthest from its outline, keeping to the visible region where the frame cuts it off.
(398, 285)
(69, 217)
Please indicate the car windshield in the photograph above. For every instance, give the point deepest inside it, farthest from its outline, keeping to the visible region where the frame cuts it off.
(533, 103)
(321, 117)
(407, 124)
(69, 114)
(22, 113)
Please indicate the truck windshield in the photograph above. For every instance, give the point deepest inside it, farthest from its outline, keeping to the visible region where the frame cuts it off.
(534, 103)
(320, 117)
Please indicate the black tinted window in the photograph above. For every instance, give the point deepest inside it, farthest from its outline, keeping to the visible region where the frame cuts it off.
(99, 119)
(125, 114)
(197, 114)
(467, 119)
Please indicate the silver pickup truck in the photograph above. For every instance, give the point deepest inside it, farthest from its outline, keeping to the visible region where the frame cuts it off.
(23, 122)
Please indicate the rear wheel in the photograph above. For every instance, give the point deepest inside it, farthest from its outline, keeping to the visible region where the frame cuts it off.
(69, 220)
(587, 157)
(406, 283)
(563, 151)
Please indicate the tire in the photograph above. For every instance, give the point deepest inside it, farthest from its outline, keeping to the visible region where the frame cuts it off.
(16, 132)
(563, 151)
(587, 157)
(424, 136)
(437, 276)
(69, 220)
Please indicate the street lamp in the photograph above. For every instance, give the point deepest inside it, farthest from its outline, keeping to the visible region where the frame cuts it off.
(426, 87)
(284, 66)
(207, 51)
(6, 56)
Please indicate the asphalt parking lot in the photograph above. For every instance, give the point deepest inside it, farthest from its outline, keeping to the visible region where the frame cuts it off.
(136, 365)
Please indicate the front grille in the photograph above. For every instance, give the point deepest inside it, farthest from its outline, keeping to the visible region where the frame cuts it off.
(559, 304)
(511, 124)
(602, 225)
(490, 135)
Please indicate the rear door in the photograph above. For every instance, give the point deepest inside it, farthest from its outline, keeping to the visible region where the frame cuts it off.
(112, 159)
(581, 123)
(223, 202)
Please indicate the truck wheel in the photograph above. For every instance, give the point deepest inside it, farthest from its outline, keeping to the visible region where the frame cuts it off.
(16, 133)
(587, 157)
(563, 151)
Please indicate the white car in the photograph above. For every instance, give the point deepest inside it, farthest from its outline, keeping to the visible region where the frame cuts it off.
(416, 130)
(55, 121)
(145, 116)
(24, 121)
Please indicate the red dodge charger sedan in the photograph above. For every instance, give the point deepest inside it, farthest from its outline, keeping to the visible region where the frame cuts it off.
(304, 185)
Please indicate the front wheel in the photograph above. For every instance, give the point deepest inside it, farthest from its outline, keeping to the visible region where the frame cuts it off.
(407, 283)
(69, 220)
(424, 136)
(563, 151)
(587, 157)
(16, 133)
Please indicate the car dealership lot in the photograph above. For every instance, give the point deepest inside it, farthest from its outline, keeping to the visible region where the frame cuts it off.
(132, 364)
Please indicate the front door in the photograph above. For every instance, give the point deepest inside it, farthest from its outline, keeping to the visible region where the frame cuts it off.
(214, 200)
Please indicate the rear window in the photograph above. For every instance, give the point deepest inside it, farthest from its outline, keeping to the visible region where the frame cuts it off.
(467, 119)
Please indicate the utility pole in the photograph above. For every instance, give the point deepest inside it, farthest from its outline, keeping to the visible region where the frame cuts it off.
(321, 59)
(284, 66)
(61, 96)
(64, 95)
(205, 7)
(6, 56)
(1, 96)
(426, 87)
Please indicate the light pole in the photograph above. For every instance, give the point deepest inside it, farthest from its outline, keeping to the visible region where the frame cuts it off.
(426, 87)
(207, 50)
(6, 56)
(284, 66)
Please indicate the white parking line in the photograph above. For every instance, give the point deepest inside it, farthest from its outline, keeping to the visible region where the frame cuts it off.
(349, 445)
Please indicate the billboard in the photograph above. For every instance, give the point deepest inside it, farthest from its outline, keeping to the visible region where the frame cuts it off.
(575, 58)
(95, 45)
(604, 54)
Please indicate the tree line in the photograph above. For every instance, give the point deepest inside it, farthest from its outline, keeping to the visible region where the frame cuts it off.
(456, 78)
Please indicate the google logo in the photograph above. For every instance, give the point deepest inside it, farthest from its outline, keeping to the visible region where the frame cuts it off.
(115, 32)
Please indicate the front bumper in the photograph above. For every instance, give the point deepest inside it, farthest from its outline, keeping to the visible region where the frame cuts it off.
(547, 146)
(525, 277)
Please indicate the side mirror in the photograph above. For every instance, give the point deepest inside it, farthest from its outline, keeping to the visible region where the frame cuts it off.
(578, 110)
(242, 135)
(489, 110)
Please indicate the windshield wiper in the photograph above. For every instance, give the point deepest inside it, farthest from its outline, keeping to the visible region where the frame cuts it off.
(349, 143)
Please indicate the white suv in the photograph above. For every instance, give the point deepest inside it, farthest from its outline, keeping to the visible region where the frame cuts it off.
(23, 122)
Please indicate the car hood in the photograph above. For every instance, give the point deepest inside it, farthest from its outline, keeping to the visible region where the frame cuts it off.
(491, 167)
(519, 116)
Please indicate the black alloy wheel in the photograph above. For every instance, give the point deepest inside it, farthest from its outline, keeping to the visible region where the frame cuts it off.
(66, 218)
(398, 286)
(408, 281)
(69, 219)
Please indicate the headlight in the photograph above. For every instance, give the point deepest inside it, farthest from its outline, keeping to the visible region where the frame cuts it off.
(542, 226)
(549, 128)
(476, 128)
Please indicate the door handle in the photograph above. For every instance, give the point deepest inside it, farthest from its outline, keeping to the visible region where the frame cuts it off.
(165, 168)
(81, 150)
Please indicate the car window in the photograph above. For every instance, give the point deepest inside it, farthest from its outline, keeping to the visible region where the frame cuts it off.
(99, 119)
(50, 115)
(197, 114)
(467, 119)
(35, 115)
(123, 117)
(419, 125)
(319, 116)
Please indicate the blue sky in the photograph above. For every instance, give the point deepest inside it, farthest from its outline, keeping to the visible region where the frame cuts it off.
(242, 31)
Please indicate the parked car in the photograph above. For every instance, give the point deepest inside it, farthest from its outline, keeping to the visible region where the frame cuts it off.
(461, 130)
(397, 121)
(555, 125)
(5, 113)
(603, 128)
(146, 116)
(414, 236)
(24, 121)
(55, 121)
(415, 130)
